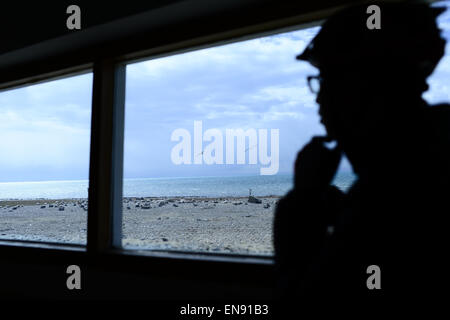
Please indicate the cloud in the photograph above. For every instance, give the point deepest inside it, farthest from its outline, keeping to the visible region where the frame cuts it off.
(45, 128)
(439, 90)
(257, 55)
(250, 84)
(288, 94)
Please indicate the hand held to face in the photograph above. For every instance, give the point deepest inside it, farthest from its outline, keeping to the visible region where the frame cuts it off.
(316, 164)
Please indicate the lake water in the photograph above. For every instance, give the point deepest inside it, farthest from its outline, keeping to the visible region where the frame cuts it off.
(155, 187)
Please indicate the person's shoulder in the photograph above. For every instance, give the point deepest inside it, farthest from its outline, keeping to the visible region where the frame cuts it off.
(437, 126)
(440, 108)
(443, 105)
(439, 114)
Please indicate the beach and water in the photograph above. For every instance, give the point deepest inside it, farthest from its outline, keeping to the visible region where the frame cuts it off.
(199, 214)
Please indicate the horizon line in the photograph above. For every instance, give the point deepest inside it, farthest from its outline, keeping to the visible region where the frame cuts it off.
(142, 178)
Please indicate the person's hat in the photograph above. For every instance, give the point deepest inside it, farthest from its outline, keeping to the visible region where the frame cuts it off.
(408, 35)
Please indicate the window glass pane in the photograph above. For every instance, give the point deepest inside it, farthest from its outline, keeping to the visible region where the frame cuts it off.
(206, 129)
(44, 163)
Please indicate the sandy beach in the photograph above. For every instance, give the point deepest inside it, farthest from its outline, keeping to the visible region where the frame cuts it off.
(223, 225)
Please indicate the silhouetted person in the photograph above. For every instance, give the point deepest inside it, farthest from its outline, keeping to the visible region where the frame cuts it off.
(394, 215)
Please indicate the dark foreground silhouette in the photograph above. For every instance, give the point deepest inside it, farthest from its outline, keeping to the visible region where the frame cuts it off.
(394, 216)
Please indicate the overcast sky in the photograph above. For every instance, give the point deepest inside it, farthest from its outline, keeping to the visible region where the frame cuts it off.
(45, 129)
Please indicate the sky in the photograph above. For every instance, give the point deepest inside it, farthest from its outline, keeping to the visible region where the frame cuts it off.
(254, 84)
(45, 131)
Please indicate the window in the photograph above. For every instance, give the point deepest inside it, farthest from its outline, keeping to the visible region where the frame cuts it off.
(208, 134)
(210, 141)
(45, 133)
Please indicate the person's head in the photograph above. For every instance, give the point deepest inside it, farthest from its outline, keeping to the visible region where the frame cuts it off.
(371, 76)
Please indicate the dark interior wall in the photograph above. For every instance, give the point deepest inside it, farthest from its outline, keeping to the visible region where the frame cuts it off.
(110, 33)
(25, 23)
(33, 274)
(28, 22)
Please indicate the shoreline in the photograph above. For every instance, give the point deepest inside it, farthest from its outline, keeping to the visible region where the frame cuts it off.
(42, 201)
(198, 224)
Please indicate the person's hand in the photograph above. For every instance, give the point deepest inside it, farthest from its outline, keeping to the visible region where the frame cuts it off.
(316, 165)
